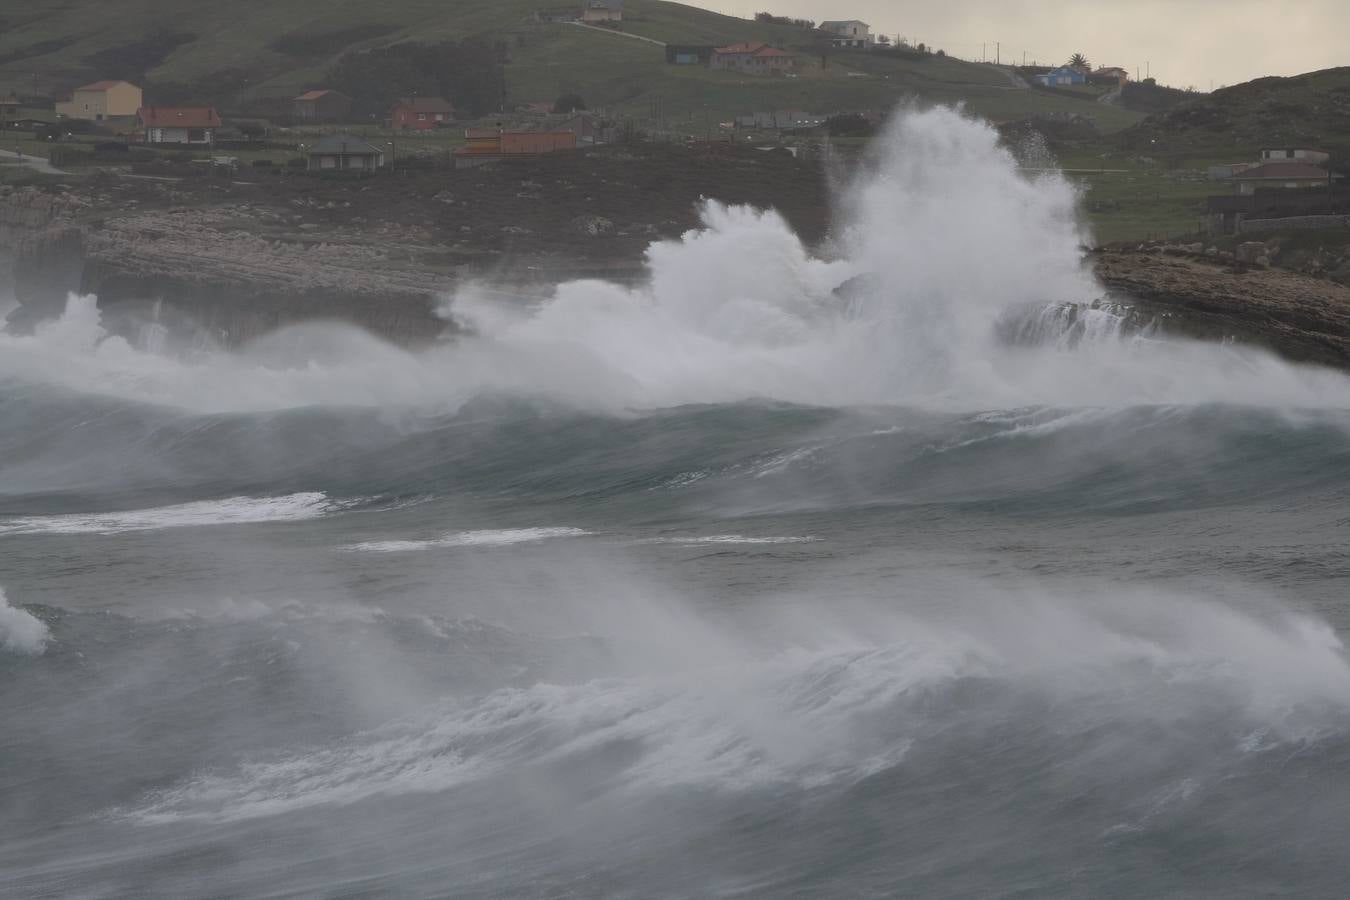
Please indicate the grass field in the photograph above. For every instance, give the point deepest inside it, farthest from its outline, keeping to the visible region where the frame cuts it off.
(50, 46)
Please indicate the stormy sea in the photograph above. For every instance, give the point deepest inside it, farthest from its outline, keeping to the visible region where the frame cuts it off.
(895, 567)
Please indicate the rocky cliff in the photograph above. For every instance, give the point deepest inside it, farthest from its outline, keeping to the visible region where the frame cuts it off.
(1302, 318)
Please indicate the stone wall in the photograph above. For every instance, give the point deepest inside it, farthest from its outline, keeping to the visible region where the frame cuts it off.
(1292, 223)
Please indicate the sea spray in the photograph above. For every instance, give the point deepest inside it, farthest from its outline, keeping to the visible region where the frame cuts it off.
(941, 239)
(20, 631)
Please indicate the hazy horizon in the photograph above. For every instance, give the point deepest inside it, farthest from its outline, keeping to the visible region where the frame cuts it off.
(1191, 43)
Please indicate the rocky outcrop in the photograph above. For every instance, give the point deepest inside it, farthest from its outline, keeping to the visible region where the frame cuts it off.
(236, 270)
(1301, 318)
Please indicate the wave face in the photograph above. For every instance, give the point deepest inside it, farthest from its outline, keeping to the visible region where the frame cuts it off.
(885, 569)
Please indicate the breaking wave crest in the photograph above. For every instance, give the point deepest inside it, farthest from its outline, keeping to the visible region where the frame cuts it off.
(231, 511)
(869, 689)
(942, 241)
(20, 631)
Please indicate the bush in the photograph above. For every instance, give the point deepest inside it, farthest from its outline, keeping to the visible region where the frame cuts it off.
(262, 164)
(297, 163)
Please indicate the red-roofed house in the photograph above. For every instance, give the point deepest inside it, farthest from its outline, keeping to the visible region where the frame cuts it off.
(421, 113)
(753, 59)
(1282, 175)
(101, 101)
(190, 125)
(323, 106)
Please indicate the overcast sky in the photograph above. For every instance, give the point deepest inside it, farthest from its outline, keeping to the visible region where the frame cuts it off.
(1186, 42)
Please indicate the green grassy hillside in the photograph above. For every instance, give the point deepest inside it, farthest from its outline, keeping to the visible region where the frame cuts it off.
(1229, 125)
(250, 51)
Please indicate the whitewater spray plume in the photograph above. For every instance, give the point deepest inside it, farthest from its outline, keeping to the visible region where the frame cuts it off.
(21, 631)
(941, 239)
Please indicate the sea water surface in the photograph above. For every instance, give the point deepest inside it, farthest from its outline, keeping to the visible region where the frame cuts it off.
(781, 575)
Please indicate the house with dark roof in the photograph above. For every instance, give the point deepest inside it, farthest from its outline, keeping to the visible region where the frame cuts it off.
(193, 126)
(323, 106)
(421, 113)
(1109, 75)
(344, 153)
(848, 33)
(9, 108)
(753, 58)
(1286, 175)
(101, 101)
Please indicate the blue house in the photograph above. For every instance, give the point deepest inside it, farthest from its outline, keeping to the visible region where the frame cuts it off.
(1064, 76)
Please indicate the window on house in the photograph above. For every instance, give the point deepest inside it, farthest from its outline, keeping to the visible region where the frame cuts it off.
(421, 117)
(1289, 154)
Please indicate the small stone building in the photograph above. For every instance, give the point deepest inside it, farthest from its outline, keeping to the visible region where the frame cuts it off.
(345, 153)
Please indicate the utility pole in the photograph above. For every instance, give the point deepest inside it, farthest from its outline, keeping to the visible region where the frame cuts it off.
(998, 53)
(984, 51)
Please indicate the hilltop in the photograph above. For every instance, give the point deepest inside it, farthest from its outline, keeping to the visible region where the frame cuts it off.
(252, 58)
(1311, 110)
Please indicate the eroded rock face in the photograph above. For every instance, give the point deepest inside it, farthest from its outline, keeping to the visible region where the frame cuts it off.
(1302, 318)
(235, 269)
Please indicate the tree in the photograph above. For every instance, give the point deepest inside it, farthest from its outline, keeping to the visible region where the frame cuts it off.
(568, 103)
(1078, 61)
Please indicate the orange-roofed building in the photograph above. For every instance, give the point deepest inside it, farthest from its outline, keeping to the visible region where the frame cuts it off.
(101, 101)
(753, 59)
(193, 126)
(323, 106)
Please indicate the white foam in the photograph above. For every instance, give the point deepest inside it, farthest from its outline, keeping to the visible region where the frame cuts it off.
(953, 239)
(21, 631)
(729, 539)
(233, 511)
(487, 538)
(849, 696)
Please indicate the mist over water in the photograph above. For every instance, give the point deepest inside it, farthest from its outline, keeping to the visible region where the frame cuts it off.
(785, 573)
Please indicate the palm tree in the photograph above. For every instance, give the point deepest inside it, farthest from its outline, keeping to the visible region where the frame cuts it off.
(1078, 61)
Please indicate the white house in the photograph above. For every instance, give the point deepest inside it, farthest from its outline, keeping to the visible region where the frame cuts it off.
(1311, 157)
(190, 125)
(848, 33)
(602, 11)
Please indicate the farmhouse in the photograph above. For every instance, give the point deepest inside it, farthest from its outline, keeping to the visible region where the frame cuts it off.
(1110, 75)
(848, 33)
(9, 108)
(188, 125)
(1287, 175)
(323, 106)
(601, 11)
(1310, 157)
(101, 101)
(421, 113)
(753, 59)
(345, 153)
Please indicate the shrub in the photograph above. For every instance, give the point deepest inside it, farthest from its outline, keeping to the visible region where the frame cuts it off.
(262, 164)
(298, 162)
